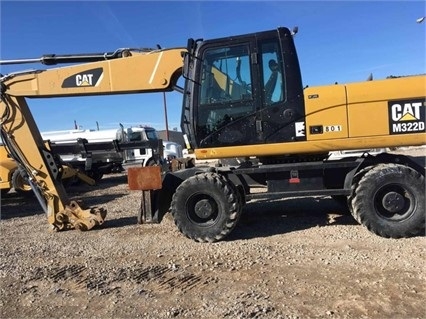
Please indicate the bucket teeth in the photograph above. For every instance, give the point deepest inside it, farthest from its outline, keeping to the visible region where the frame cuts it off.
(73, 217)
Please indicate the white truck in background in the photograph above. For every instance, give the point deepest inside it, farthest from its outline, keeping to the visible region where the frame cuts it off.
(144, 156)
(98, 152)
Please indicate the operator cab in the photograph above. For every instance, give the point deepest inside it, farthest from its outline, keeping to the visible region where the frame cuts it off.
(245, 90)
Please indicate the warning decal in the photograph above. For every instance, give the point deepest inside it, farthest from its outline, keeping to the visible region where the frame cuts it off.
(407, 116)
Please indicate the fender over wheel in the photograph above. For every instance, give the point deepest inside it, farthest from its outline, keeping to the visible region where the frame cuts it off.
(206, 207)
(389, 200)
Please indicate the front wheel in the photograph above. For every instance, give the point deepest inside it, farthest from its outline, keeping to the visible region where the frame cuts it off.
(206, 207)
(390, 201)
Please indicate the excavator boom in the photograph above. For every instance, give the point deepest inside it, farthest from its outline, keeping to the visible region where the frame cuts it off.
(122, 72)
(135, 72)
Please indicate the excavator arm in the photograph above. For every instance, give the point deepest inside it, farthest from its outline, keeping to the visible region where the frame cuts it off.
(124, 71)
(131, 72)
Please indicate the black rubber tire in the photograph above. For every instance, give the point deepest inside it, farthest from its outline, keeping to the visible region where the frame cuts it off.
(206, 207)
(20, 185)
(390, 201)
(355, 182)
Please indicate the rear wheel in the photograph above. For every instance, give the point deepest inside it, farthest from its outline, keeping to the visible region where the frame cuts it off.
(389, 200)
(206, 207)
(355, 183)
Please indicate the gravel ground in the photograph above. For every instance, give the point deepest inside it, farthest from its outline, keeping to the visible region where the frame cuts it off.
(292, 258)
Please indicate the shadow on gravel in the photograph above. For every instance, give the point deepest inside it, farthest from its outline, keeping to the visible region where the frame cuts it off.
(264, 218)
(16, 205)
(99, 200)
(119, 222)
(13, 205)
(103, 184)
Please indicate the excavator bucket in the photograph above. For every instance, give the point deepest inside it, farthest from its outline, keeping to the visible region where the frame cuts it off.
(74, 217)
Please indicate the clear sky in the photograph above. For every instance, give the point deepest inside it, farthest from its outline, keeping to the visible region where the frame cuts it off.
(338, 41)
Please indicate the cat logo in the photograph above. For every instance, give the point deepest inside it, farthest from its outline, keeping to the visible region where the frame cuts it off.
(87, 78)
(84, 79)
(407, 116)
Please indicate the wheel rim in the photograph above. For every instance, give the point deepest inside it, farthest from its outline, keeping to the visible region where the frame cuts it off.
(394, 202)
(202, 209)
(20, 184)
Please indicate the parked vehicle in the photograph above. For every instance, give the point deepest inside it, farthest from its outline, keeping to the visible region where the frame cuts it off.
(99, 152)
(243, 97)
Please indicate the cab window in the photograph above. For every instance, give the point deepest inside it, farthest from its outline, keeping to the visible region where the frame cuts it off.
(225, 90)
(226, 75)
(273, 83)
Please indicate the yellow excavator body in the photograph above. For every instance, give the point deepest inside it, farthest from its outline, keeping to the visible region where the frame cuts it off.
(364, 115)
(230, 110)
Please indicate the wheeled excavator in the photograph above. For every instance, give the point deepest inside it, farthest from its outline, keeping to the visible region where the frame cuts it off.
(243, 98)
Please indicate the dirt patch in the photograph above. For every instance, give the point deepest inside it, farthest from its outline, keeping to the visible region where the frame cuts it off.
(292, 258)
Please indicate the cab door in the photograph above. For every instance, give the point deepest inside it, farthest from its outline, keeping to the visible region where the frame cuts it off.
(225, 112)
(281, 107)
(244, 92)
